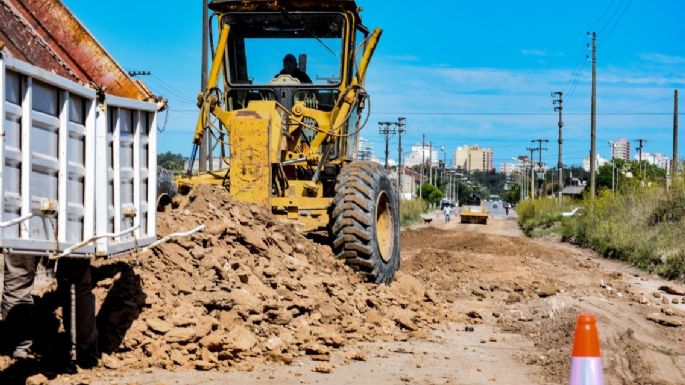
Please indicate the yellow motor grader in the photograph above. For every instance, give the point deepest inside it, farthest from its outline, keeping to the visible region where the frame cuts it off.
(288, 126)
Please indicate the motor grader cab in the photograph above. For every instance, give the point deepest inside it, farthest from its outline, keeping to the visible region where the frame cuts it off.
(290, 141)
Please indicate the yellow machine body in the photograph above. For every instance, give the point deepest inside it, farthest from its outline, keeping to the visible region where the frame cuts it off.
(283, 151)
(474, 212)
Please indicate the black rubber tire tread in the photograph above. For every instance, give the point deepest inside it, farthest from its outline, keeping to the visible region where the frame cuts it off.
(353, 220)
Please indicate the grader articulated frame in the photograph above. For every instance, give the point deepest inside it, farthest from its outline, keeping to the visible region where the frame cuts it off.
(291, 144)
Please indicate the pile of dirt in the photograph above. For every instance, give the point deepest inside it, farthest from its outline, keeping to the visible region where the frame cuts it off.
(247, 289)
(468, 265)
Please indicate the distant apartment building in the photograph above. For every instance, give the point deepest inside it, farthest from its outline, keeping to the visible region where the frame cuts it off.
(599, 161)
(365, 151)
(422, 153)
(474, 158)
(656, 159)
(621, 149)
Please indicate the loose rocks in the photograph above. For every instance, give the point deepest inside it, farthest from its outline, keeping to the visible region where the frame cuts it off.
(248, 289)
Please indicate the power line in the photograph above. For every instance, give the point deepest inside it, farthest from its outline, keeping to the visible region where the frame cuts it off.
(577, 67)
(611, 18)
(523, 113)
(617, 22)
(625, 112)
(602, 15)
(180, 94)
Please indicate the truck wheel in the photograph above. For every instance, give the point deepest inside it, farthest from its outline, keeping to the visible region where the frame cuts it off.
(365, 221)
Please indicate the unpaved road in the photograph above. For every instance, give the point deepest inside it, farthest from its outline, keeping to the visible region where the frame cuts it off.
(519, 296)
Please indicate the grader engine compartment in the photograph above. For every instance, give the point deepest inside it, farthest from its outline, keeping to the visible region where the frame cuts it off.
(285, 100)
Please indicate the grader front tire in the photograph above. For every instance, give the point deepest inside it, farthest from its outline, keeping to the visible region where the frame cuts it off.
(365, 221)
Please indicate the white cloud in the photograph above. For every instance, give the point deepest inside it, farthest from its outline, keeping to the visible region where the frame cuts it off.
(661, 58)
(540, 53)
(402, 87)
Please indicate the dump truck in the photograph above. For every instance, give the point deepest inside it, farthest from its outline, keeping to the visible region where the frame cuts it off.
(288, 126)
(474, 211)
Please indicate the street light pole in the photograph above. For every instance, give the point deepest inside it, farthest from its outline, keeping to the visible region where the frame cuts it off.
(401, 128)
(444, 162)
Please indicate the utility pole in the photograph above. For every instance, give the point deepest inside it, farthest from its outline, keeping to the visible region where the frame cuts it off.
(532, 172)
(539, 150)
(559, 106)
(385, 128)
(526, 181)
(204, 145)
(430, 164)
(640, 146)
(401, 128)
(676, 162)
(593, 119)
(423, 159)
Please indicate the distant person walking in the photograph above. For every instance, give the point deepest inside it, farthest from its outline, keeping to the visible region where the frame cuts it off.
(447, 211)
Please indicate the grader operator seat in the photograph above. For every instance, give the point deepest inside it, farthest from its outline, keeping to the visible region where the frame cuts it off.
(293, 144)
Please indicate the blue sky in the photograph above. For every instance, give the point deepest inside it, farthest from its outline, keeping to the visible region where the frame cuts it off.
(462, 72)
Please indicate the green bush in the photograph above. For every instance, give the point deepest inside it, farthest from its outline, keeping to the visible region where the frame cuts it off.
(431, 194)
(642, 226)
(539, 214)
(411, 211)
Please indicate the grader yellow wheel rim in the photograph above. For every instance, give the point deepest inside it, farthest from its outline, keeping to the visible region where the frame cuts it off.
(385, 231)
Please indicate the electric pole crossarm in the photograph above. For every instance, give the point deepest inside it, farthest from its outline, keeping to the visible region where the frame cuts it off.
(386, 129)
(532, 171)
(539, 149)
(401, 128)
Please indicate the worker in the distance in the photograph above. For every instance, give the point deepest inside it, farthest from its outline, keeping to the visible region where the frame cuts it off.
(447, 211)
(290, 68)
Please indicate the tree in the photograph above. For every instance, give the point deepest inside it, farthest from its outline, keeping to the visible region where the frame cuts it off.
(431, 194)
(171, 161)
(513, 195)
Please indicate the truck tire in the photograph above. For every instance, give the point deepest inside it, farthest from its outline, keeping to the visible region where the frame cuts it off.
(365, 223)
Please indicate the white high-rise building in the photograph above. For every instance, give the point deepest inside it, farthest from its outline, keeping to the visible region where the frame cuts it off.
(656, 159)
(599, 161)
(365, 151)
(621, 149)
(422, 153)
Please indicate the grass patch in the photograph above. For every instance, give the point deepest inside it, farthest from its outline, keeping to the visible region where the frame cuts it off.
(411, 211)
(538, 215)
(555, 229)
(643, 226)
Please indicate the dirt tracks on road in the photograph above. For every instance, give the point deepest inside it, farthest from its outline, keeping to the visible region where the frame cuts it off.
(535, 288)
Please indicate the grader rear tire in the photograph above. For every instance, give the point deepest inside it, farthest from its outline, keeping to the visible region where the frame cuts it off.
(365, 221)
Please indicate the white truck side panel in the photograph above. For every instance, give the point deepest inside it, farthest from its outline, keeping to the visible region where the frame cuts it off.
(73, 168)
(129, 130)
(47, 170)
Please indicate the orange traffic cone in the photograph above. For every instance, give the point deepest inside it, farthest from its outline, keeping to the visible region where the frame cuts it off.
(586, 364)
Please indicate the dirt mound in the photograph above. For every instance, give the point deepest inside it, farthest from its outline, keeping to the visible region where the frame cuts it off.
(468, 265)
(247, 289)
